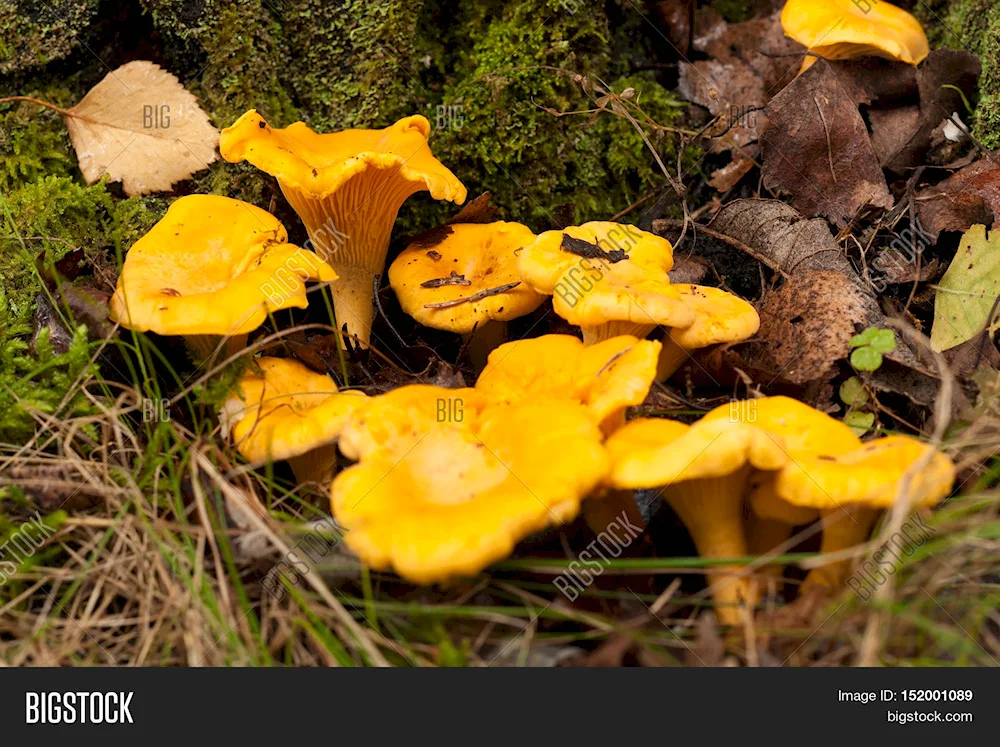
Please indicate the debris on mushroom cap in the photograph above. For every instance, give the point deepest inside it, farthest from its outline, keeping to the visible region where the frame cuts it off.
(650, 452)
(804, 430)
(285, 410)
(607, 376)
(874, 475)
(608, 278)
(471, 277)
(212, 266)
(347, 188)
(465, 493)
(395, 421)
(846, 29)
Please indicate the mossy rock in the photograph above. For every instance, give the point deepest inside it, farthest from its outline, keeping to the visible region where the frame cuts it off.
(34, 33)
(490, 76)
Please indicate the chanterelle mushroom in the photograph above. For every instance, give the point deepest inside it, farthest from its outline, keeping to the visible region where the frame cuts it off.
(607, 377)
(719, 317)
(848, 29)
(608, 278)
(702, 471)
(851, 488)
(465, 492)
(347, 187)
(287, 411)
(806, 433)
(466, 281)
(212, 266)
(397, 420)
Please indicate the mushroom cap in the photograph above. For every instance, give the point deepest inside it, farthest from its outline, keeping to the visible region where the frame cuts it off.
(805, 432)
(463, 495)
(803, 429)
(718, 317)
(651, 452)
(400, 418)
(212, 266)
(320, 164)
(589, 291)
(871, 475)
(766, 503)
(607, 376)
(480, 254)
(842, 29)
(286, 410)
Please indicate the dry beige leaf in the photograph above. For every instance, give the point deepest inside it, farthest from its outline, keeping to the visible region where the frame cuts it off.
(140, 126)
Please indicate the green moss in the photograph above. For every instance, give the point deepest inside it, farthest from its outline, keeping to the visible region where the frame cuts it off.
(38, 381)
(480, 71)
(47, 219)
(34, 141)
(33, 33)
(228, 52)
(497, 129)
(734, 11)
(350, 63)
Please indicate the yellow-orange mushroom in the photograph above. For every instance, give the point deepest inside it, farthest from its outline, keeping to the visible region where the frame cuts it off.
(347, 188)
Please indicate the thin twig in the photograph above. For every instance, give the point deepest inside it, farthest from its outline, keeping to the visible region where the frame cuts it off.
(474, 297)
(453, 279)
(829, 146)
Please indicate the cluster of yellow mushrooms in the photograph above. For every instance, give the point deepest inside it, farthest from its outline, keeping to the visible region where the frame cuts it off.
(447, 481)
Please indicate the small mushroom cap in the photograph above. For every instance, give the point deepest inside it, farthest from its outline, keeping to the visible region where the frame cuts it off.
(843, 29)
(871, 475)
(320, 164)
(286, 410)
(607, 376)
(803, 429)
(472, 258)
(718, 317)
(464, 494)
(212, 266)
(630, 286)
(651, 452)
(400, 418)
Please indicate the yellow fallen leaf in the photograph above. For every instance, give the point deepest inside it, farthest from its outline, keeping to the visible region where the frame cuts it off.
(966, 301)
(140, 126)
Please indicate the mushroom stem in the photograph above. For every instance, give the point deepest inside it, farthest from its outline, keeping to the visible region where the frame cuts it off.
(601, 332)
(712, 511)
(843, 528)
(763, 535)
(353, 302)
(202, 347)
(316, 465)
(483, 340)
(672, 357)
(613, 505)
(350, 229)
